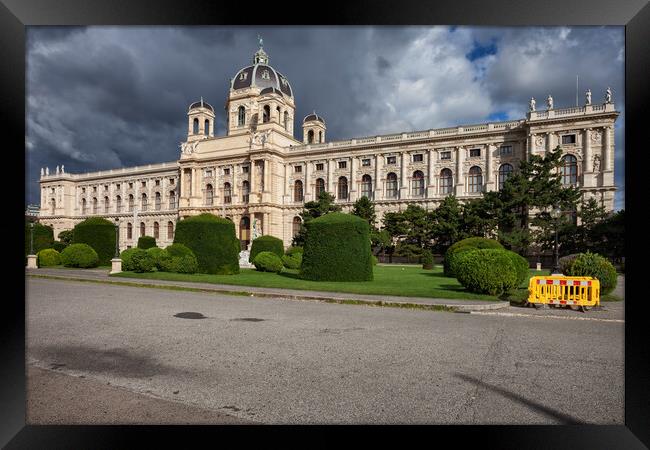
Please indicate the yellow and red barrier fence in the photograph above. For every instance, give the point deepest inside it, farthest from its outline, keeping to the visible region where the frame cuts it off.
(560, 290)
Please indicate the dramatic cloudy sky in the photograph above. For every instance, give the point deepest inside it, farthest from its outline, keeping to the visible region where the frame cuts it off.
(108, 97)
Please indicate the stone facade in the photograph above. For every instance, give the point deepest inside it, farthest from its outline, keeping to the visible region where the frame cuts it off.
(260, 175)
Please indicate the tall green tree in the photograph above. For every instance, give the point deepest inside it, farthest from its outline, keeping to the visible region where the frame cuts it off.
(411, 228)
(446, 224)
(365, 209)
(324, 205)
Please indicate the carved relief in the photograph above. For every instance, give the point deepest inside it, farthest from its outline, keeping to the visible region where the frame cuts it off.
(596, 135)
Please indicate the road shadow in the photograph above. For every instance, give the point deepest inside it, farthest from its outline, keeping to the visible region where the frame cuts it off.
(566, 419)
(115, 361)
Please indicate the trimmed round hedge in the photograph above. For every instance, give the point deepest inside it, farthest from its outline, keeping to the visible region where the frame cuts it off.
(427, 260)
(593, 265)
(213, 241)
(48, 257)
(99, 233)
(79, 255)
(158, 255)
(293, 250)
(566, 262)
(145, 242)
(487, 271)
(59, 246)
(465, 245)
(141, 261)
(178, 250)
(268, 262)
(521, 266)
(266, 244)
(126, 257)
(292, 261)
(337, 248)
(43, 237)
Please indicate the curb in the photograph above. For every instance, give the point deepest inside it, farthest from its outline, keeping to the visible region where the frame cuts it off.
(341, 300)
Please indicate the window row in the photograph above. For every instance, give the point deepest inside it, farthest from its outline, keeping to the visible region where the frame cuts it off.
(156, 230)
(282, 118)
(144, 204)
(118, 186)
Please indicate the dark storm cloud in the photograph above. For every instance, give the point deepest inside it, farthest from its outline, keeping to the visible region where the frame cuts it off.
(105, 97)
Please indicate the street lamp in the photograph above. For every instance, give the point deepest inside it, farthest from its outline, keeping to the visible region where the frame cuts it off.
(31, 238)
(555, 214)
(117, 237)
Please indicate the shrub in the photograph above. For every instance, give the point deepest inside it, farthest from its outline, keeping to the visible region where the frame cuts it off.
(521, 266)
(141, 261)
(566, 262)
(292, 261)
(268, 262)
(593, 265)
(464, 245)
(48, 257)
(427, 259)
(337, 248)
(43, 237)
(99, 233)
(126, 257)
(145, 242)
(293, 250)
(266, 244)
(59, 246)
(178, 250)
(486, 271)
(79, 255)
(373, 260)
(213, 241)
(185, 264)
(158, 255)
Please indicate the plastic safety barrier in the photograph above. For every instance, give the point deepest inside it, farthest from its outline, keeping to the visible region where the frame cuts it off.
(561, 290)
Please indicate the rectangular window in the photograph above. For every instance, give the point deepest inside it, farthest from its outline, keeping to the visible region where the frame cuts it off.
(144, 184)
(391, 160)
(157, 182)
(245, 169)
(130, 185)
(474, 152)
(418, 158)
(505, 150)
(208, 173)
(297, 169)
(94, 188)
(83, 190)
(319, 166)
(117, 186)
(445, 155)
(343, 164)
(365, 162)
(171, 181)
(569, 139)
(226, 171)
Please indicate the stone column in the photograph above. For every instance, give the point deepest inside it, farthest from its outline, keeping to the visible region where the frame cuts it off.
(307, 193)
(353, 179)
(488, 168)
(378, 185)
(330, 175)
(252, 176)
(460, 178)
(266, 224)
(233, 187)
(586, 146)
(549, 142)
(286, 182)
(607, 148)
(431, 189)
(403, 182)
(265, 174)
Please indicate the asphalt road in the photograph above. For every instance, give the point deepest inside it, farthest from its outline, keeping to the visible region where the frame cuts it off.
(286, 361)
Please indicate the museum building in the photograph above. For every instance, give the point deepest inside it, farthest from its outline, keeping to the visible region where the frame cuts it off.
(259, 175)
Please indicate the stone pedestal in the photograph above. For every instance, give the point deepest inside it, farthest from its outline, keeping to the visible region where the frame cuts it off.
(243, 260)
(31, 262)
(116, 265)
(539, 266)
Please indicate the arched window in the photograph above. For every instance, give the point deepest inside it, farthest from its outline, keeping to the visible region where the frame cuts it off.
(475, 179)
(94, 205)
(320, 136)
(569, 170)
(172, 200)
(366, 186)
(266, 116)
(53, 205)
(118, 204)
(310, 137)
(504, 172)
(446, 181)
(391, 185)
(156, 230)
(157, 201)
(196, 126)
(343, 188)
(129, 231)
(296, 225)
(227, 192)
(105, 205)
(206, 127)
(279, 114)
(297, 191)
(245, 191)
(142, 229)
(286, 121)
(170, 230)
(209, 194)
(418, 183)
(144, 202)
(320, 186)
(83, 206)
(241, 116)
(131, 202)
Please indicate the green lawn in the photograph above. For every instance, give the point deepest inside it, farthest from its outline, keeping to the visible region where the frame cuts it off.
(400, 281)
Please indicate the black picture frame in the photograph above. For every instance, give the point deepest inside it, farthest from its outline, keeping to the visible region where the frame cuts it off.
(15, 15)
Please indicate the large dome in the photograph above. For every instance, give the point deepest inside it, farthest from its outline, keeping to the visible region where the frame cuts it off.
(261, 75)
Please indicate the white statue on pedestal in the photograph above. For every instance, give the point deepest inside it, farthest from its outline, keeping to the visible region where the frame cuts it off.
(47, 171)
(549, 102)
(256, 229)
(588, 97)
(596, 163)
(531, 105)
(608, 95)
(57, 170)
(62, 167)
(42, 171)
